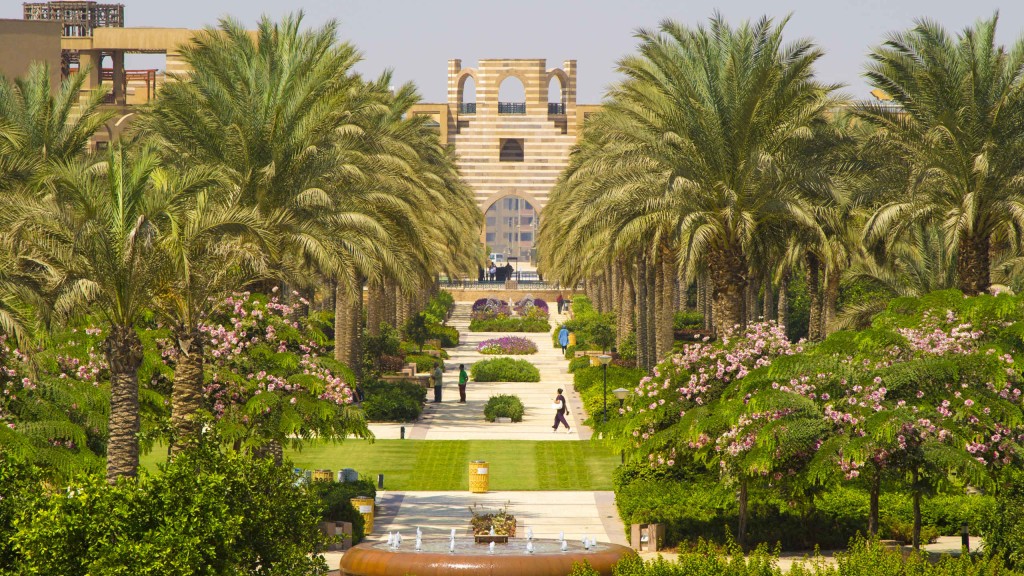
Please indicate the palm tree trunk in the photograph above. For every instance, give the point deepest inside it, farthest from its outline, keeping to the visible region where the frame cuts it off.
(374, 307)
(658, 300)
(814, 295)
(390, 311)
(741, 532)
(973, 265)
(753, 288)
(832, 277)
(783, 313)
(729, 284)
(771, 312)
(123, 350)
(641, 316)
(652, 316)
(667, 311)
(347, 315)
(627, 311)
(187, 391)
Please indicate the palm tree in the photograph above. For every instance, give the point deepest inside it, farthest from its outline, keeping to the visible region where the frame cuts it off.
(701, 139)
(959, 108)
(98, 226)
(38, 126)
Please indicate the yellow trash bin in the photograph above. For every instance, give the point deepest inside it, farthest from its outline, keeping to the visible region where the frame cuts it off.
(325, 475)
(572, 338)
(365, 507)
(479, 477)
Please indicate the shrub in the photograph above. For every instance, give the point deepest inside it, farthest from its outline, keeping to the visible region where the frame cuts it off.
(448, 335)
(577, 363)
(507, 345)
(424, 362)
(507, 324)
(207, 513)
(1002, 526)
(336, 503)
(504, 370)
(417, 329)
(394, 401)
(440, 307)
(504, 406)
(589, 382)
(688, 320)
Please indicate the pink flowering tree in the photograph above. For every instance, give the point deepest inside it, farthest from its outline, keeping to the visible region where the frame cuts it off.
(269, 380)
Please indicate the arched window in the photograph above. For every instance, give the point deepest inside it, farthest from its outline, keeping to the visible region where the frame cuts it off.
(511, 96)
(556, 96)
(467, 95)
(511, 150)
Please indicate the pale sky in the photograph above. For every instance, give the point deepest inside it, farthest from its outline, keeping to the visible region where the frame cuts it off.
(416, 38)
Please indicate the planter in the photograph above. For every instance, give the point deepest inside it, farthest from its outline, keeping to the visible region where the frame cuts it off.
(503, 420)
(487, 538)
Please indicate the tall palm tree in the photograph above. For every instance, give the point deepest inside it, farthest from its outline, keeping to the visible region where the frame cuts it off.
(38, 125)
(99, 225)
(960, 105)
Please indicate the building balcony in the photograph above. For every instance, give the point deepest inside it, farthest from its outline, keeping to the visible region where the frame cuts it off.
(556, 108)
(511, 107)
(467, 108)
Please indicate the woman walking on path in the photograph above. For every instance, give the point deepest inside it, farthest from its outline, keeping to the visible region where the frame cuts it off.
(437, 375)
(561, 409)
(563, 338)
(463, 379)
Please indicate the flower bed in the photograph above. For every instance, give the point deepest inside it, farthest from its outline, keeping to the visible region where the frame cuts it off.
(507, 345)
(504, 370)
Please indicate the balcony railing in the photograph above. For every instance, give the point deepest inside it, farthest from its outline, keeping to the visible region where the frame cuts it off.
(556, 108)
(467, 108)
(511, 107)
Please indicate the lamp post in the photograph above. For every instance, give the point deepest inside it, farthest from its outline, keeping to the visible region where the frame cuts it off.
(605, 359)
(621, 394)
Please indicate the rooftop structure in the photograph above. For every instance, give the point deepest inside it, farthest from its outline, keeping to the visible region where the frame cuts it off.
(79, 19)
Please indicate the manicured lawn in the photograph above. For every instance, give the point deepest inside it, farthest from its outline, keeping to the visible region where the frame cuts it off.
(442, 465)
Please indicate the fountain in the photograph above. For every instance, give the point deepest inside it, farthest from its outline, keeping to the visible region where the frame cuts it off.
(437, 556)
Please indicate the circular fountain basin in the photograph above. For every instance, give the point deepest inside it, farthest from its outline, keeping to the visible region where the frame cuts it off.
(470, 558)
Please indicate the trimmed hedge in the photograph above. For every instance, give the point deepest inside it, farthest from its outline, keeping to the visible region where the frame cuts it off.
(504, 406)
(589, 382)
(393, 401)
(507, 324)
(448, 335)
(504, 370)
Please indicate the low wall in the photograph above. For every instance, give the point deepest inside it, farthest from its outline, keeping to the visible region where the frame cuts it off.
(473, 295)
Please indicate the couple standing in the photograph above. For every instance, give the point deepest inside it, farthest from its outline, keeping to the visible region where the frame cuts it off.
(438, 374)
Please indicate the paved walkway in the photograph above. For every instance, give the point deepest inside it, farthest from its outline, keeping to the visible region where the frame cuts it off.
(451, 420)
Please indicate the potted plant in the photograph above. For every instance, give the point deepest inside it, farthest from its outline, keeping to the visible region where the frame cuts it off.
(481, 522)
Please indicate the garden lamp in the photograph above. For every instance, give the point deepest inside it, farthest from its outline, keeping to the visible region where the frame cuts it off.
(621, 394)
(605, 359)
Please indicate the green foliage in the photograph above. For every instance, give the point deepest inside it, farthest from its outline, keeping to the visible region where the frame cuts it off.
(206, 513)
(400, 401)
(504, 406)
(448, 335)
(688, 320)
(336, 502)
(417, 330)
(504, 370)
(799, 313)
(424, 362)
(19, 484)
(509, 324)
(578, 363)
(593, 330)
(1002, 525)
(589, 383)
(384, 345)
(440, 307)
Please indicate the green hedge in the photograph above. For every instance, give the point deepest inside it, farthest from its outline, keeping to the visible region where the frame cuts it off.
(424, 362)
(448, 335)
(509, 325)
(504, 406)
(336, 499)
(504, 370)
(393, 401)
(589, 383)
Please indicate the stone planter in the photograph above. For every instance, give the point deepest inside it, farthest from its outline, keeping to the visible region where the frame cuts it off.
(503, 420)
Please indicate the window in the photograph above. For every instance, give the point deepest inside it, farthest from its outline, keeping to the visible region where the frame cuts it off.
(490, 236)
(526, 236)
(491, 221)
(511, 150)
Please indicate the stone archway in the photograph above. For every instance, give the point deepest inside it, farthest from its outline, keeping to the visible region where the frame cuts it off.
(511, 220)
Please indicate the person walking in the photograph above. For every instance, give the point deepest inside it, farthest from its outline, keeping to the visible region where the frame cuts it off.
(559, 301)
(561, 409)
(463, 380)
(492, 272)
(437, 375)
(563, 338)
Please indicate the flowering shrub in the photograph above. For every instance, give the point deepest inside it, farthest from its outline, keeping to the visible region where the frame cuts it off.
(507, 345)
(532, 308)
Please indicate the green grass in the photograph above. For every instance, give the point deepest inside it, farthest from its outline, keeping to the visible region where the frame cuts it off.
(442, 465)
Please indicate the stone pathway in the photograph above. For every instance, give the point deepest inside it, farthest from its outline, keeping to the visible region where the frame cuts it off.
(547, 513)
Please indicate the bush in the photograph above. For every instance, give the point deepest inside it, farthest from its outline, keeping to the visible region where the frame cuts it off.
(508, 324)
(1002, 525)
(440, 307)
(394, 401)
(207, 513)
(589, 382)
(448, 335)
(577, 363)
(504, 406)
(424, 362)
(507, 345)
(504, 370)
(336, 503)
(688, 320)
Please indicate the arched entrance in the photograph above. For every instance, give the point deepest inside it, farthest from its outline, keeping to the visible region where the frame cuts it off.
(510, 228)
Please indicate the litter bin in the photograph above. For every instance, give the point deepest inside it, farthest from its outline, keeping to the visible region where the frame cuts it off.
(324, 475)
(364, 505)
(479, 477)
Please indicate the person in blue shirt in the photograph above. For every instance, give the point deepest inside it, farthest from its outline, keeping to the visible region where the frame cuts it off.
(563, 338)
